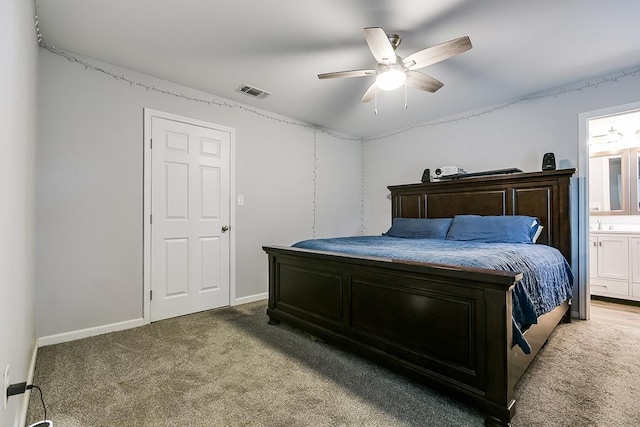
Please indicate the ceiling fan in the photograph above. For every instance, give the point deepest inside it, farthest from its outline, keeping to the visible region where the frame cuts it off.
(393, 71)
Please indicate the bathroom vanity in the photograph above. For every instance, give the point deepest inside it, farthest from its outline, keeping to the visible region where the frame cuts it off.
(614, 262)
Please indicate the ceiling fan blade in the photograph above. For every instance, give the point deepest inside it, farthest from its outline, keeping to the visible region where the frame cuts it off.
(352, 73)
(369, 94)
(437, 53)
(423, 82)
(380, 45)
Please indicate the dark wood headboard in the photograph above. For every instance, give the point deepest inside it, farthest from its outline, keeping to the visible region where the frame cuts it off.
(541, 194)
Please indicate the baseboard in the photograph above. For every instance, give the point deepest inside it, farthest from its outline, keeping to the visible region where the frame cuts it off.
(89, 332)
(616, 300)
(113, 327)
(27, 394)
(251, 298)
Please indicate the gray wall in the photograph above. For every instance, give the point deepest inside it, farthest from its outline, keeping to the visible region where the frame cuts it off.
(17, 192)
(90, 182)
(516, 136)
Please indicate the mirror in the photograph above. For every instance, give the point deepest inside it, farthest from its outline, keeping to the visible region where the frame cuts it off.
(607, 186)
(635, 181)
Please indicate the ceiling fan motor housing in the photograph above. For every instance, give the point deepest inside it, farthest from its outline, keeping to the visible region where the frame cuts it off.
(395, 40)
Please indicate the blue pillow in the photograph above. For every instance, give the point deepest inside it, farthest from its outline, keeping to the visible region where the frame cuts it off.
(494, 229)
(419, 228)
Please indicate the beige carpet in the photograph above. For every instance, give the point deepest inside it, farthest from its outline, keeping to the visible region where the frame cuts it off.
(228, 367)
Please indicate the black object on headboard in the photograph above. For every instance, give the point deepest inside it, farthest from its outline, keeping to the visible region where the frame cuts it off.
(548, 162)
(484, 173)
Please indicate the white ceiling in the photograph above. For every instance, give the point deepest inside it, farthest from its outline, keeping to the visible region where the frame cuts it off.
(519, 48)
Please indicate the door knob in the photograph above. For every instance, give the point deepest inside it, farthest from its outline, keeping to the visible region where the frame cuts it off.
(225, 228)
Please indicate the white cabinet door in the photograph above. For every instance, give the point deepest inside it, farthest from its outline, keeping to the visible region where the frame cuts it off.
(593, 256)
(635, 259)
(613, 257)
(634, 244)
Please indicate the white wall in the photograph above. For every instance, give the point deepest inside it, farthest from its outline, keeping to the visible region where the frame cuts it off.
(17, 191)
(515, 136)
(90, 173)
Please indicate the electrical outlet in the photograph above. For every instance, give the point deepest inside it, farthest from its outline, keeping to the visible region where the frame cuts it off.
(5, 385)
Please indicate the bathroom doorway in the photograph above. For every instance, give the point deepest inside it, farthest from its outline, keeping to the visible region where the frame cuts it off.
(609, 207)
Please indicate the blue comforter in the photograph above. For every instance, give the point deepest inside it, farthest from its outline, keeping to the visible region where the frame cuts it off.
(547, 277)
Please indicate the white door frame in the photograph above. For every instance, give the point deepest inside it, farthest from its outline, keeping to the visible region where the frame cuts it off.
(146, 270)
(583, 199)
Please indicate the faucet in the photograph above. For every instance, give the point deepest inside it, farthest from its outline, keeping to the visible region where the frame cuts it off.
(599, 225)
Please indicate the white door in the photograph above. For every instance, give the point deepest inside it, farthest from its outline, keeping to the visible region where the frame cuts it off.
(190, 208)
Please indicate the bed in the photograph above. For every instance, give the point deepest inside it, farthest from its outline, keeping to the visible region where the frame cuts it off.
(449, 326)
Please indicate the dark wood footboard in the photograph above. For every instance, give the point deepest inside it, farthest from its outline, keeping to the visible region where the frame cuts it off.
(449, 327)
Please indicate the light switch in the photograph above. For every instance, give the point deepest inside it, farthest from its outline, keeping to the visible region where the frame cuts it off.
(240, 200)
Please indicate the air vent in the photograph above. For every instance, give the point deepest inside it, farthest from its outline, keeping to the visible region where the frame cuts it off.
(253, 91)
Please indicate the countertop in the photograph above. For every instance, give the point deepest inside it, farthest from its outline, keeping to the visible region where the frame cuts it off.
(615, 229)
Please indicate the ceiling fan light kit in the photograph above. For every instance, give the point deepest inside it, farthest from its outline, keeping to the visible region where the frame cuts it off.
(392, 71)
(391, 77)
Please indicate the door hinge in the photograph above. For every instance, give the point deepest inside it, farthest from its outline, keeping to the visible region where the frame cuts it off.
(151, 219)
(151, 295)
(151, 144)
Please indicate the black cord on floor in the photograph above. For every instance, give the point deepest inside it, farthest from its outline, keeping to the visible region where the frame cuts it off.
(29, 387)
